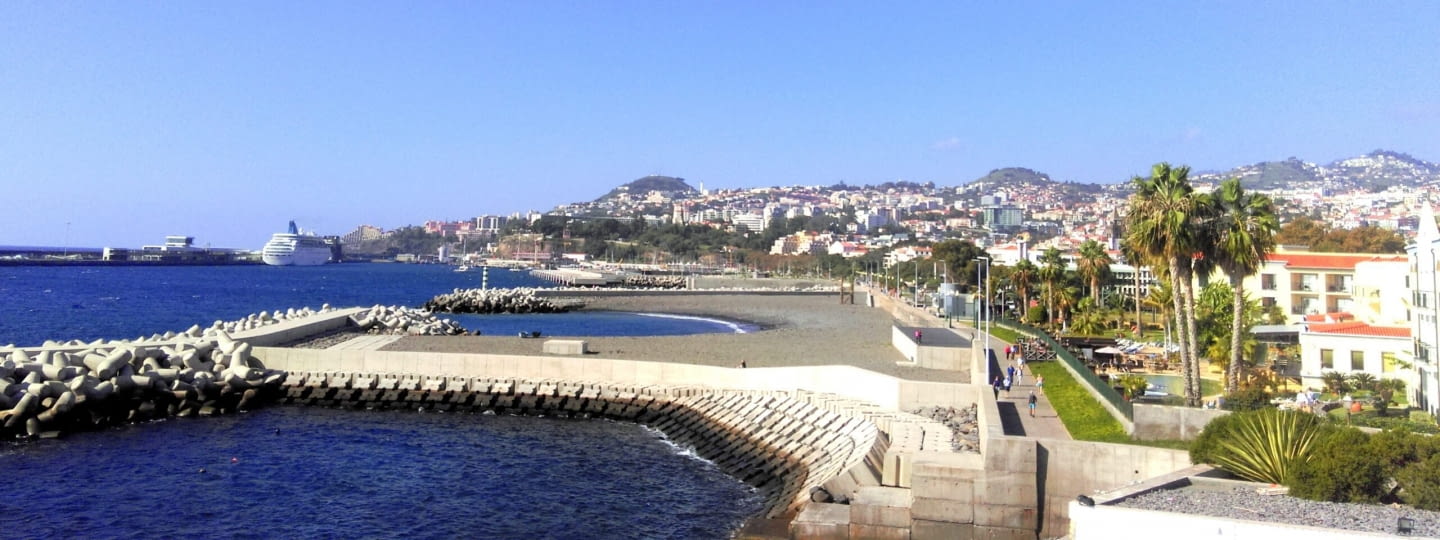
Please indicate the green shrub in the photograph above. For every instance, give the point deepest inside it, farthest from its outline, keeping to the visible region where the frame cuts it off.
(1394, 449)
(1391, 423)
(1133, 385)
(1421, 483)
(1263, 445)
(1340, 468)
(1205, 445)
(1422, 417)
(1248, 399)
(1035, 314)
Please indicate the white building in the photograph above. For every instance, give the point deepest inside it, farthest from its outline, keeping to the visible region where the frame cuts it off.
(1354, 347)
(1308, 283)
(1424, 281)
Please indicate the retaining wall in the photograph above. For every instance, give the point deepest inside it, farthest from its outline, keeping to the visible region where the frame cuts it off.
(1164, 422)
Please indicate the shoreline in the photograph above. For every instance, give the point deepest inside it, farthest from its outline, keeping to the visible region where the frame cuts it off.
(793, 330)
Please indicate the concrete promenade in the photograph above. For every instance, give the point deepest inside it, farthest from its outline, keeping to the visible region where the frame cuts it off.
(813, 352)
(1013, 405)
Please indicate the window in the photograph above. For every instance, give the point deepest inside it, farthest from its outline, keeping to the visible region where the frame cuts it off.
(1389, 362)
(1327, 359)
(1357, 360)
(1267, 282)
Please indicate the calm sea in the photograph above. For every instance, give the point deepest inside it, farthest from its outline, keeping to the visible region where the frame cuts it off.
(306, 472)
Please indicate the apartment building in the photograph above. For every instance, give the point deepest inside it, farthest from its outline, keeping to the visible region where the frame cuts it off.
(1304, 283)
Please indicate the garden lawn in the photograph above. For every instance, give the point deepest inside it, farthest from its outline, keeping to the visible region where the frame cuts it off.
(1005, 334)
(1083, 416)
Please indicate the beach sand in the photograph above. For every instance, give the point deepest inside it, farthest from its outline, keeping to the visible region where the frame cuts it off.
(798, 330)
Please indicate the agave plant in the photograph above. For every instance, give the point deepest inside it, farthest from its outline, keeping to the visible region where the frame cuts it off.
(1267, 444)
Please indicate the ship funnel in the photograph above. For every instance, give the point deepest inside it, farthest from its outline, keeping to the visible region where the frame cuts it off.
(293, 228)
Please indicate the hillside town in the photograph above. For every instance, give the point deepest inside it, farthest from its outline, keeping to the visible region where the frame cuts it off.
(1338, 312)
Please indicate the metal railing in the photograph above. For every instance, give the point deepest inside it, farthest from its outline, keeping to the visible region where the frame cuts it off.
(1076, 366)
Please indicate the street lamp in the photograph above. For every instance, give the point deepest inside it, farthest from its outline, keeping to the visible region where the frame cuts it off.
(949, 292)
(987, 304)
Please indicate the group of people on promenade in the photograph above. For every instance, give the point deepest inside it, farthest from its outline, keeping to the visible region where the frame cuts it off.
(1014, 375)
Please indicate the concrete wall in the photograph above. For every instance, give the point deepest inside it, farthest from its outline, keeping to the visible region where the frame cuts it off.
(852, 382)
(1164, 422)
(1072, 468)
(717, 282)
(904, 343)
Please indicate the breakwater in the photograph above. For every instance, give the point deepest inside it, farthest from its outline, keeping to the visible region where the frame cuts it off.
(787, 445)
(71, 386)
(522, 300)
(404, 320)
(63, 388)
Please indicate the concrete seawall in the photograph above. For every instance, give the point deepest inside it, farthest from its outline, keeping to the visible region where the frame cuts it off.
(753, 423)
(782, 445)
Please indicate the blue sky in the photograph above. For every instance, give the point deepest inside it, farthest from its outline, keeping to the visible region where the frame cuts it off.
(223, 120)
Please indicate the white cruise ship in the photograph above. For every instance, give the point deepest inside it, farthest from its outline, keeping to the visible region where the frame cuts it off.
(294, 248)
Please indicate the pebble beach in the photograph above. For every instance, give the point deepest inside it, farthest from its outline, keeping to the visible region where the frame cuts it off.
(796, 330)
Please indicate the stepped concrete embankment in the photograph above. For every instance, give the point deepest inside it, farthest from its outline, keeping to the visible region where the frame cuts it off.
(794, 433)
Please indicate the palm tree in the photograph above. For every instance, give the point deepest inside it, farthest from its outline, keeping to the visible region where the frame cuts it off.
(1052, 273)
(1067, 296)
(1023, 276)
(1135, 259)
(1161, 225)
(1093, 264)
(1243, 227)
(1089, 320)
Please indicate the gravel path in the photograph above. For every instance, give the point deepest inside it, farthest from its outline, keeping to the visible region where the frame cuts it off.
(1244, 503)
(797, 330)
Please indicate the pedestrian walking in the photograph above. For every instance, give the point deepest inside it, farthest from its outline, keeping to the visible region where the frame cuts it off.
(1040, 383)
(995, 384)
(1019, 377)
(1007, 386)
(1032, 403)
(1021, 362)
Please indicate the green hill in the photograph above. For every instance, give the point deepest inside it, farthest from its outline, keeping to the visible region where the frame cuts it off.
(1010, 176)
(668, 185)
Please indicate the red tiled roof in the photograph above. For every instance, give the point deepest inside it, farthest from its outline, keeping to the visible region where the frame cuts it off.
(1329, 260)
(1359, 329)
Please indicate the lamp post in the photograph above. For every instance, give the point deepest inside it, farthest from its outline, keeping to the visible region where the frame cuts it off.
(949, 293)
(986, 303)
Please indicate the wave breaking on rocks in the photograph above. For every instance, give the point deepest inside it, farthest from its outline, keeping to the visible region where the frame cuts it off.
(486, 301)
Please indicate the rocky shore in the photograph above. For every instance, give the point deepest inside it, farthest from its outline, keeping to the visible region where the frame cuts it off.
(521, 300)
(964, 425)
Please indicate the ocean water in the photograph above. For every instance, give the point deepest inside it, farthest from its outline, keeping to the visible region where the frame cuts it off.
(87, 303)
(312, 472)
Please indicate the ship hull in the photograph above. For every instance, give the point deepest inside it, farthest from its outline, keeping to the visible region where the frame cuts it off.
(298, 257)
